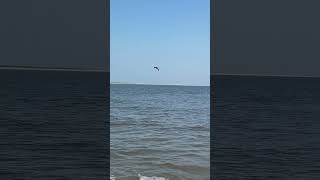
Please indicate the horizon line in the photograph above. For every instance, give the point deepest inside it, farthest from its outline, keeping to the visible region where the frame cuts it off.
(34, 68)
(262, 75)
(123, 83)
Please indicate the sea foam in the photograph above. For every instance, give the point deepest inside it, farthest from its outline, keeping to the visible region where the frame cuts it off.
(151, 178)
(144, 178)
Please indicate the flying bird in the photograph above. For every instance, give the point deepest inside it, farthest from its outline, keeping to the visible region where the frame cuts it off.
(156, 68)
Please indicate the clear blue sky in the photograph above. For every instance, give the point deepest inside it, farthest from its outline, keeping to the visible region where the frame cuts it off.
(171, 34)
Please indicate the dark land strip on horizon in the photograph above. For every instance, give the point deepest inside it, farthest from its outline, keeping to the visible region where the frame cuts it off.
(262, 75)
(49, 68)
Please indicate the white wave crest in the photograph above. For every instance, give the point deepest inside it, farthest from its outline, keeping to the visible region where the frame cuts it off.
(151, 178)
(144, 178)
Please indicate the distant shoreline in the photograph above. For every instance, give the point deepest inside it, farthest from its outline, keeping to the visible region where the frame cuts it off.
(32, 68)
(263, 75)
(119, 83)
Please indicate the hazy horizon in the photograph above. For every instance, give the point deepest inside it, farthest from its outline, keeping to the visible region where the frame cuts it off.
(8, 67)
(128, 83)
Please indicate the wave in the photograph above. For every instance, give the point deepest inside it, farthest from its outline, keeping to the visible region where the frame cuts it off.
(151, 178)
(140, 177)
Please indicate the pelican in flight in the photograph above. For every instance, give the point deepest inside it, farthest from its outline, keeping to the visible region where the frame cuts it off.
(156, 68)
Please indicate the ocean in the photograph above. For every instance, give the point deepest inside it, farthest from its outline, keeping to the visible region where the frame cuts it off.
(265, 128)
(53, 125)
(159, 132)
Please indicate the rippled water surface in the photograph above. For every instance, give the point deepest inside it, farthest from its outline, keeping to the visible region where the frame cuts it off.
(160, 132)
(266, 128)
(53, 125)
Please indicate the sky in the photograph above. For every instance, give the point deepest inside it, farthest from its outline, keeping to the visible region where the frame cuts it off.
(254, 37)
(53, 33)
(274, 37)
(171, 34)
